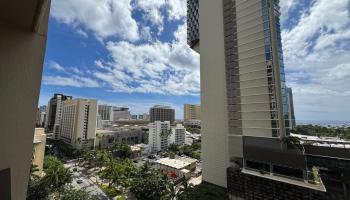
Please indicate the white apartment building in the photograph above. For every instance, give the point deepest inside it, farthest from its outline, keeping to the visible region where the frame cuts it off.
(159, 133)
(144, 116)
(41, 116)
(78, 124)
(178, 134)
(105, 112)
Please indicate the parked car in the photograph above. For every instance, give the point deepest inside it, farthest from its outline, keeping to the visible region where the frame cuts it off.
(79, 181)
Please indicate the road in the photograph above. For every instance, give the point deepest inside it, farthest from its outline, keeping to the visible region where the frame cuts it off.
(86, 184)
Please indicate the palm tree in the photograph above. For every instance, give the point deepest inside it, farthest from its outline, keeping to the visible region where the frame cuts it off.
(185, 186)
(33, 170)
(56, 176)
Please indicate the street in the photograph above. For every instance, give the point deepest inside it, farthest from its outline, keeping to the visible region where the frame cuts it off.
(86, 183)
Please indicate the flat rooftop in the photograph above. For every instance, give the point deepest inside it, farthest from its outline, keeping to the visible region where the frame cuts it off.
(324, 141)
(177, 163)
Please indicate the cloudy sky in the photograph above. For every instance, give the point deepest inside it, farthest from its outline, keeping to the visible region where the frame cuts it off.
(134, 53)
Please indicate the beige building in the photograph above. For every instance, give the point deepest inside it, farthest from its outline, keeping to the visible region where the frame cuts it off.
(39, 149)
(23, 34)
(78, 123)
(243, 93)
(192, 112)
(177, 168)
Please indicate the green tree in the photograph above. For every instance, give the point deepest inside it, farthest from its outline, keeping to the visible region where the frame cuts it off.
(122, 150)
(56, 175)
(173, 147)
(112, 172)
(69, 193)
(149, 184)
(36, 188)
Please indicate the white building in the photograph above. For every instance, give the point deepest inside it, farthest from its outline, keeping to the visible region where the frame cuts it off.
(144, 116)
(78, 124)
(158, 135)
(177, 167)
(178, 135)
(105, 112)
(41, 116)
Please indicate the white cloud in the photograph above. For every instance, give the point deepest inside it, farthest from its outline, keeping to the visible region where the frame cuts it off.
(146, 33)
(176, 9)
(105, 18)
(287, 6)
(56, 66)
(74, 81)
(156, 10)
(153, 12)
(163, 68)
(82, 33)
(317, 59)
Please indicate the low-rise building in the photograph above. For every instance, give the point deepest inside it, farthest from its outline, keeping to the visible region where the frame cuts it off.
(39, 143)
(176, 168)
(144, 116)
(195, 123)
(132, 134)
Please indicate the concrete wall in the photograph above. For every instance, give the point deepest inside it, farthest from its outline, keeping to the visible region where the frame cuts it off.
(39, 149)
(213, 93)
(21, 60)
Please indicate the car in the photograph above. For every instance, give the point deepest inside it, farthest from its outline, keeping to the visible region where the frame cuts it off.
(79, 181)
(75, 169)
(151, 157)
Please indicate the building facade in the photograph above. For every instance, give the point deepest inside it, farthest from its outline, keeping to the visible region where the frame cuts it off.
(41, 116)
(121, 113)
(162, 113)
(244, 97)
(158, 137)
(131, 135)
(192, 112)
(291, 115)
(178, 135)
(39, 143)
(78, 124)
(144, 116)
(22, 51)
(54, 114)
(105, 112)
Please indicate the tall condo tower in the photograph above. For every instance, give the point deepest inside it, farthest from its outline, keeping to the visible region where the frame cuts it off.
(244, 99)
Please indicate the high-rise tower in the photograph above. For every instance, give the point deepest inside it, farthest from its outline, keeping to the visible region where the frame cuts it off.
(54, 114)
(244, 97)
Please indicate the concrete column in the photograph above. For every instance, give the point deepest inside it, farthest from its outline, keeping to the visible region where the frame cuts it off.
(22, 50)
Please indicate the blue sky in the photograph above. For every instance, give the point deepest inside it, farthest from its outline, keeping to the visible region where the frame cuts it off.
(134, 53)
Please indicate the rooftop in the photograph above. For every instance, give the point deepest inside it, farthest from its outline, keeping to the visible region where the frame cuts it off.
(177, 163)
(323, 141)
